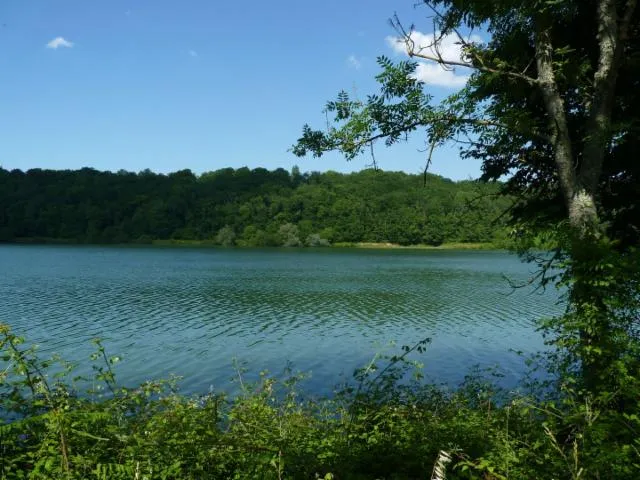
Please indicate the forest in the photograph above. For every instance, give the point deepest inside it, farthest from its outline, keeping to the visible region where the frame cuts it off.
(248, 207)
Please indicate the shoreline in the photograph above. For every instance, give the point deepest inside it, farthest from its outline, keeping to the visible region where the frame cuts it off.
(443, 246)
(212, 244)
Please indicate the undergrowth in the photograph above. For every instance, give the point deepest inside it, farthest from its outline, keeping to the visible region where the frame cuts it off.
(384, 425)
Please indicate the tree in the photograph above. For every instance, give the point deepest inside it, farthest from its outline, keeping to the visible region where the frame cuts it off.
(289, 236)
(553, 102)
(226, 236)
(91, 206)
(316, 240)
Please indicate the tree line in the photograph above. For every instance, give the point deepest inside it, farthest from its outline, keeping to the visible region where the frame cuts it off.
(247, 207)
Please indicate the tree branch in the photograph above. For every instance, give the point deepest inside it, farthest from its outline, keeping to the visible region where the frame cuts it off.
(374, 163)
(437, 57)
(446, 118)
(554, 106)
(428, 164)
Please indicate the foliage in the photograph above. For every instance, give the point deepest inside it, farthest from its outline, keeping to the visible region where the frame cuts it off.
(548, 104)
(551, 106)
(315, 240)
(226, 236)
(246, 207)
(501, 117)
(288, 234)
(385, 424)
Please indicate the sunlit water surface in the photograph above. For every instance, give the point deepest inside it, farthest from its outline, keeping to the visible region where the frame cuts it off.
(190, 312)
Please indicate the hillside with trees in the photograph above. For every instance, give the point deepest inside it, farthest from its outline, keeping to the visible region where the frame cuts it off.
(247, 207)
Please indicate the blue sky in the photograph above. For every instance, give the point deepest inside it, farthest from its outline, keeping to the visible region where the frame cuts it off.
(198, 84)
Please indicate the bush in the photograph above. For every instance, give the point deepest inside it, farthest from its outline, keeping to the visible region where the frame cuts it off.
(289, 236)
(315, 240)
(386, 424)
(226, 236)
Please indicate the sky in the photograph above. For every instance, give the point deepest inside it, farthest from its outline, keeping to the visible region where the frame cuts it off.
(198, 84)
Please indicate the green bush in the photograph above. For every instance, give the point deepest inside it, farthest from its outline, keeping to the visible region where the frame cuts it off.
(386, 424)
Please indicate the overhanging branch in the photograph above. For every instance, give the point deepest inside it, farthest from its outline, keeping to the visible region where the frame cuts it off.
(451, 120)
(479, 64)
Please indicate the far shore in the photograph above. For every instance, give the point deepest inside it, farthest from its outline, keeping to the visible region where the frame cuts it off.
(210, 243)
(443, 246)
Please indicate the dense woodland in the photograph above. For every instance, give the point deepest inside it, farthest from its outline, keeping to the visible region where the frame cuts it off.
(247, 207)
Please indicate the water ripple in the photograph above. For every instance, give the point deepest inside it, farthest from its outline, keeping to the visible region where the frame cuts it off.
(191, 311)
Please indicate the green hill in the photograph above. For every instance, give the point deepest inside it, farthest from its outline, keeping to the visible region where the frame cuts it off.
(247, 207)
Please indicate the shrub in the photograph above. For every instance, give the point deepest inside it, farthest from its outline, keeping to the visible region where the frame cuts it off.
(385, 424)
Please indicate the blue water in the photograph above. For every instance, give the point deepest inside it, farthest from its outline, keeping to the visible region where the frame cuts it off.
(190, 312)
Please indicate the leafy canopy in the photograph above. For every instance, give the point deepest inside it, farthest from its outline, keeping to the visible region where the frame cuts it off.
(501, 117)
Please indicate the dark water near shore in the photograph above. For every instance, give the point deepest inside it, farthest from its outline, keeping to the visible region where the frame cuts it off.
(191, 311)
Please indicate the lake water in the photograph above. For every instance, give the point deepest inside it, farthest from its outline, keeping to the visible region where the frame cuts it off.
(192, 311)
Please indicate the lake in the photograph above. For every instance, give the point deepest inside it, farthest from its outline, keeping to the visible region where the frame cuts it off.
(192, 311)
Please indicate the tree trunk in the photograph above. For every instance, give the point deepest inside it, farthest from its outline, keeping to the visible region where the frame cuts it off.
(587, 305)
(583, 214)
(560, 137)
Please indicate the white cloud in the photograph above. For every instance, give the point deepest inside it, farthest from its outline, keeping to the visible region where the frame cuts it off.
(433, 74)
(354, 62)
(430, 72)
(59, 42)
(193, 53)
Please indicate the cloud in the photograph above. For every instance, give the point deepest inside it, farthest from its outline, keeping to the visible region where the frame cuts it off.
(59, 42)
(430, 72)
(433, 74)
(354, 62)
(193, 53)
